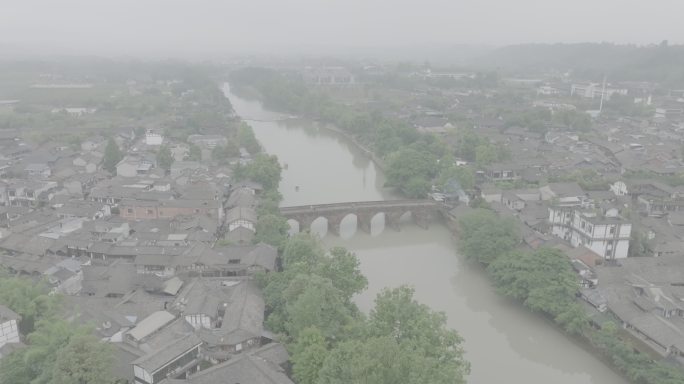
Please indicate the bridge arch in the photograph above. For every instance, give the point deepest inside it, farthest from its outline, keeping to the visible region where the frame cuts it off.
(320, 226)
(294, 226)
(340, 215)
(348, 225)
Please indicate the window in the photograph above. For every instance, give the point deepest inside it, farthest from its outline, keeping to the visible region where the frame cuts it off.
(234, 261)
(149, 211)
(612, 230)
(196, 210)
(129, 210)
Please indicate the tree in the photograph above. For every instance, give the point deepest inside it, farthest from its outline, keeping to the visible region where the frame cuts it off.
(308, 355)
(112, 156)
(265, 170)
(484, 236)
(165, 157)
(59, 352)
(411, 171)
(194, 153)
(85, 360)
(313, 301)
(271, 229)
(375, 360)
(464, 175)
(485, 154)
(221, 154)
(398, 315)
(344, 271)
(303, 252)
(28, 299)
(544, 281)
(246, 138)
(638, 244)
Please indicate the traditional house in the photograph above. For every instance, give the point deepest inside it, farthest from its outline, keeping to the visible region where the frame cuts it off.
(176, 359)
(9, 326)
(241, 224)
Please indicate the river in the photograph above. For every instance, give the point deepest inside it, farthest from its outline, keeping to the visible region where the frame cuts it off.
(504, 342)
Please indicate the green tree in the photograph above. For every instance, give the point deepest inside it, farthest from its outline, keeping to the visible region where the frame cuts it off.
(344, 271)
(544, 281)
(411, 171)
(485, 237)
(375, 360)
(308, 355)
(382, 360)
(265, 170)
(486, 154)
(222, 154)
(165, 157)
(638, 244)
(246, 138)
(85, 360)
(28, 299)
(59, 352)
(112, 156)
(271, 229)
(399, 316)
(194, 153)
(464, 175)
(313, 301)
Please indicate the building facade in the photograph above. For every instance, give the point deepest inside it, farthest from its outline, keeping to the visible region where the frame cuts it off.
(607, 236)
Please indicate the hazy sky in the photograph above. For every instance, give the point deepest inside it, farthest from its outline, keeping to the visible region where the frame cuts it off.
(200, 26)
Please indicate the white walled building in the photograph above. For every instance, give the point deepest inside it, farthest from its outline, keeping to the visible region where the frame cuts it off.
(9, 326)
(153, 138)
(607, 236)
(595, 90)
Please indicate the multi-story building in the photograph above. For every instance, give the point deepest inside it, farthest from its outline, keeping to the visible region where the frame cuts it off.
(27, 193)
(607, 236)
(595, 90)
(153, 138)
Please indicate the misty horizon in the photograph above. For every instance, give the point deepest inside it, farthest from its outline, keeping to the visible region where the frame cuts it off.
(214, 29)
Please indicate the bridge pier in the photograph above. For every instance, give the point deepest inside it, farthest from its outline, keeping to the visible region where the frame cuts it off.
(392, 220)
(334, 227)
(422, 219)
(363, 222)
(305, 224)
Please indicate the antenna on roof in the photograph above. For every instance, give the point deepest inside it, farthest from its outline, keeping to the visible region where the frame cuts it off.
(603, 93)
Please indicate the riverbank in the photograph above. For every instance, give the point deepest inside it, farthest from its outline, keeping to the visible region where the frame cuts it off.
(367, 151)
(330, 169)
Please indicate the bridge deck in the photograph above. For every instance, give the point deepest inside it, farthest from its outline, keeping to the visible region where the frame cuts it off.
(351, 206)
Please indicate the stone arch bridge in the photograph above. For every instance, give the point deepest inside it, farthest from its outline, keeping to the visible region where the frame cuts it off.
(422, 212)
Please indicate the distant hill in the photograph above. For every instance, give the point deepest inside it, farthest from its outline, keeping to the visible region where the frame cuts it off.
(662, 63)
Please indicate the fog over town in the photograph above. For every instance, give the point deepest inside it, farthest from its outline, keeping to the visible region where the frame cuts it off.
(341, 192)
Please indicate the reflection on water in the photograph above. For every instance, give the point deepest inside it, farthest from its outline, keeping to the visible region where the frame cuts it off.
(504, 342)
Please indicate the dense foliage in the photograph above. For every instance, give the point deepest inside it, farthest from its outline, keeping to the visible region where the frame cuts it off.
(57, 351)
(484, 236)
(544, 281)
(164, 158)
(263, 169)
(112, 156)
(330, 341)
